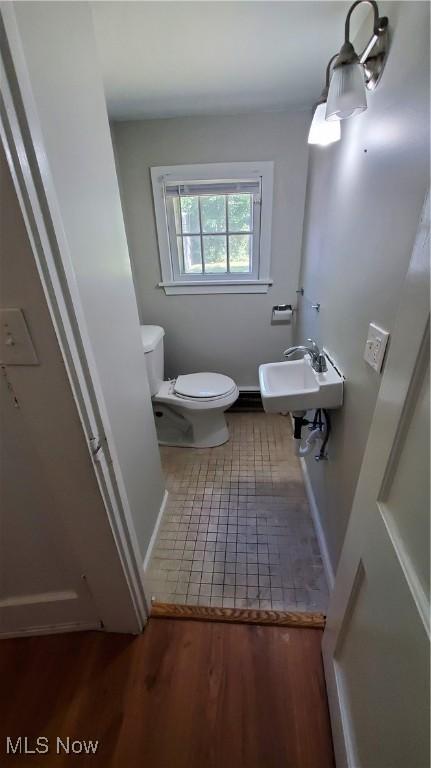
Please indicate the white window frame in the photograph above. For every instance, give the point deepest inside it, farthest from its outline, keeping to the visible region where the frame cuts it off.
(259, 280)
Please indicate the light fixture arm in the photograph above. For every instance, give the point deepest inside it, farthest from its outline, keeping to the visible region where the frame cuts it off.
(380, 23)
(374, 54)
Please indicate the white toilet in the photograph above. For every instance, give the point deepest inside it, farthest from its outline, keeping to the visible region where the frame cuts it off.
(188, 410)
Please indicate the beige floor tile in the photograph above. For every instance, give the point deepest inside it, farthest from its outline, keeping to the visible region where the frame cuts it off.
(237, 527)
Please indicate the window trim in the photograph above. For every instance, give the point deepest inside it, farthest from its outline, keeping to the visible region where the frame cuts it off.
(258, 282)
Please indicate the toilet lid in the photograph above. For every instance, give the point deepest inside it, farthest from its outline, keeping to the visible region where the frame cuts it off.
(204, 385)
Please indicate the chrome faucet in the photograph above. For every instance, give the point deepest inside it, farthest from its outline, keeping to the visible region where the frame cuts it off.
(318, 360)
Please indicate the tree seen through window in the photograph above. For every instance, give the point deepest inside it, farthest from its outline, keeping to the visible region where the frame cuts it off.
(214, 233)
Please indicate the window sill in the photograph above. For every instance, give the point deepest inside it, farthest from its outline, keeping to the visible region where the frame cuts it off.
(188, 287)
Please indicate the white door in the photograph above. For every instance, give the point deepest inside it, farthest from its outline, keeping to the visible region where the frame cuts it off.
(42, 588)
(52, 517)
(376, 642)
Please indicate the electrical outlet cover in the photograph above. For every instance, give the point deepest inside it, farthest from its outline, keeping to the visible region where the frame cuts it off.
(375, 347)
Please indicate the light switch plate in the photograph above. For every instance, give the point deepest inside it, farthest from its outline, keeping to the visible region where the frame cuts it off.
(375, 347)
(16, 347)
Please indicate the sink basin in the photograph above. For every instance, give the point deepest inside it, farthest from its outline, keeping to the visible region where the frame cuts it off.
(294, 385)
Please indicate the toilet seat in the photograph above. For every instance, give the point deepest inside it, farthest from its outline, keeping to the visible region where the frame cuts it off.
(205, 387)
(167, 395)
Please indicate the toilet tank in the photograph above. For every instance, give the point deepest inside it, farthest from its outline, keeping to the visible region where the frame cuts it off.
(152, 341)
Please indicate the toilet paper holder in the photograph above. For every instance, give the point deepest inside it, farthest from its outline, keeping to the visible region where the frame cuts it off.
(282, 313)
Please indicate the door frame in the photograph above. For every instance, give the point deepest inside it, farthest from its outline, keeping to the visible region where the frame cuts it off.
(409, 344)
(21, 138)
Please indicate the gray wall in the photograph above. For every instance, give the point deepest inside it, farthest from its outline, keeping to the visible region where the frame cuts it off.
(364, 199)
(225, 333)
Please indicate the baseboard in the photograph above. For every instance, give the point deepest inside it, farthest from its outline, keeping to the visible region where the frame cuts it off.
(238, 615)
(314, 510)
(155, 531)
(53, 629)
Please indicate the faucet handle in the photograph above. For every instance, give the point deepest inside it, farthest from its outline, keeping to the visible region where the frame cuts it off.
(313, 344)
(322, 366)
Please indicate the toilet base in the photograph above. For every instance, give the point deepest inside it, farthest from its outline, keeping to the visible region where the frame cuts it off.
(190, 429)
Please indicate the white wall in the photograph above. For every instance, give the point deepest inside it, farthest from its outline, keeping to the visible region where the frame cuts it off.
(76, 162)
(364, 199)
(229, 334)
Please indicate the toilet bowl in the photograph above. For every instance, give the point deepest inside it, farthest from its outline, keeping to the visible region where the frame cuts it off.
(189, 410)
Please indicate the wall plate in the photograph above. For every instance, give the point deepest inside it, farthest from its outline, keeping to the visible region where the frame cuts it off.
(375, 347)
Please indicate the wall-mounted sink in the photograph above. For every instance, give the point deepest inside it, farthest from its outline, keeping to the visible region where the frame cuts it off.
(295, 386)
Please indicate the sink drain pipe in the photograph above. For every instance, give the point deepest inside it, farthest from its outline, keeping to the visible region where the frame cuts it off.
(318, 432)
(322, 455)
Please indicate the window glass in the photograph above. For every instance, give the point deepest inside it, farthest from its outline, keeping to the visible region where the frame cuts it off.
(192, 256)
(239, 213)
(205, 244)
(189, 215)
(215, 253)
(213, 213)
(240, 253)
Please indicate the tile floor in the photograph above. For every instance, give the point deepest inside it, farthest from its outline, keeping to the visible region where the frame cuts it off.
(237, 530)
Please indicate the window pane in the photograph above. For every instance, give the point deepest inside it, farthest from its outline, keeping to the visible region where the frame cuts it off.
(239, 213)
(190, 214)
(240, 253)
(215, 254)
(192, 255)
(180, 253)
(213, 212)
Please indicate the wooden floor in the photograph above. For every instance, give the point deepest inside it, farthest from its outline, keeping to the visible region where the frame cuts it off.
(185, 694)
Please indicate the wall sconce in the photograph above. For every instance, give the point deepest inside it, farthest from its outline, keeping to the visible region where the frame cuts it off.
(323, 131)
(352, 73)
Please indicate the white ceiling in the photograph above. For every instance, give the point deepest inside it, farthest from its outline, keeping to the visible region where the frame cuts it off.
(163, 59)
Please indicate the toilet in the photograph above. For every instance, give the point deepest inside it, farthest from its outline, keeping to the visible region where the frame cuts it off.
(189, 410)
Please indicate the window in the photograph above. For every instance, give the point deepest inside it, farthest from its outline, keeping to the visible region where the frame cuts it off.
(214, 227)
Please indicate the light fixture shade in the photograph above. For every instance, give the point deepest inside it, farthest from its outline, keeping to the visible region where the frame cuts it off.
(346, 96)
(322, 131)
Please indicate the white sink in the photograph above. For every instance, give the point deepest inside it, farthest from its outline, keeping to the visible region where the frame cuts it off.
(295, 386)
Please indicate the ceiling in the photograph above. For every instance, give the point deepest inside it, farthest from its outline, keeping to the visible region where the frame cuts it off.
(165, 59)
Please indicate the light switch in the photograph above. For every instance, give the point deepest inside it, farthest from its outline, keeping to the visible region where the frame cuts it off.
(16, 346)
(375, 347)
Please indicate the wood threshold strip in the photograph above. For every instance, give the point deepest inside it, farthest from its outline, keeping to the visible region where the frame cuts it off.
(238, 615)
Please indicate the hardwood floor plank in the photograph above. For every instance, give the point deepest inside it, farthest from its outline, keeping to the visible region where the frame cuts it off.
(185, 694)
